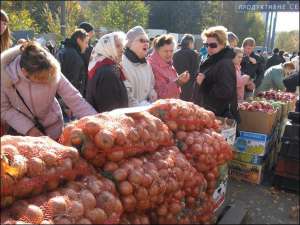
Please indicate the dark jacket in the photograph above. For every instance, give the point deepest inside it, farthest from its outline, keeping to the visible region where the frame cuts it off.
(291, 82)
(255, 71)
(186, 59)
(274, 60)
(72, 64)
(105, 90)
(87, 55)
(218, 90)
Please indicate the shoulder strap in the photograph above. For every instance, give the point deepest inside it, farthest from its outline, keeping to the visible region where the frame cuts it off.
(20, 96)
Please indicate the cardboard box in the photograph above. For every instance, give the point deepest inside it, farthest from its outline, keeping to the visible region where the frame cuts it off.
(245, 171)
(249, 158)
(258, 122)
(228, 129)
(220, 192)
(253, 143)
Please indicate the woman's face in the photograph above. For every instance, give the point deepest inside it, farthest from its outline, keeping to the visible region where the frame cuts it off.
(237, 60)
(119, 48)
(213, 46)
(140, 46)
(3, 26)
(83, 44)
(166, 52)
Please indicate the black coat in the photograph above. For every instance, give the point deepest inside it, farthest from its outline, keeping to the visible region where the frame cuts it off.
(274, 60)
(87, 55)
(218, 91)
(106, 91)
(186, 59)
(72, 64)
(255, 71)
(291, 82)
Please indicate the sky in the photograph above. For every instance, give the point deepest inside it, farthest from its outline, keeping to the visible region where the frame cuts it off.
(287, 21)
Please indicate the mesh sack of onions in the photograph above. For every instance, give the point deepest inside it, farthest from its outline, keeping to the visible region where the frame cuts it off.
(182, 115)
(145, 182)
(113, 137)
(91, 200)
(31, 165)
(206, 151)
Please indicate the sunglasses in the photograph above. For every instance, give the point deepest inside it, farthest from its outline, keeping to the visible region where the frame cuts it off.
(210, 45)
(143, 40)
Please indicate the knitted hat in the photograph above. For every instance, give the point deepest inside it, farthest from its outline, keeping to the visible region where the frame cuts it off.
(133, 33)
(86, 26)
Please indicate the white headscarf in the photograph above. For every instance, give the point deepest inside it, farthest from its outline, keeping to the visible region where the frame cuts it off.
(106, 48)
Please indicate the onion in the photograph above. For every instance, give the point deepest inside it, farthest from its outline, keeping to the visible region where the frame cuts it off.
(110, 166)
(106, 201)
(88, 200)
(50, 158)
(75, 209)
(135, 177)
(34, 213)
(115, 156)
(96, 216)
(120, 174)
(104, 139)
(129, 203)
(47, 222)
(36, 167)
(162, 210)
(126, 188)
(58, 205)
(141, 193)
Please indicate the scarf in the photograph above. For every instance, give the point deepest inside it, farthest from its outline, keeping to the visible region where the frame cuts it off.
(133, 57)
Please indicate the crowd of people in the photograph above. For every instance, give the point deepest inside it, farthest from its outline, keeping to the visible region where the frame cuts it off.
(42, 89)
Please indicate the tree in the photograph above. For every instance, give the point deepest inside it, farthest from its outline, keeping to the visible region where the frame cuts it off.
(19, 19)
(124, 15)
(288, 41)
(74, 14)
(93, 11)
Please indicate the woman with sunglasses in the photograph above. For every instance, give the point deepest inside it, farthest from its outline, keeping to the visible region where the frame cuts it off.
(139, 76)
(105, 89)
(215, 88)
(167, 81)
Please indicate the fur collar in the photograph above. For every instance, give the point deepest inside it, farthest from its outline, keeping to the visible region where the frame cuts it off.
(9, 68)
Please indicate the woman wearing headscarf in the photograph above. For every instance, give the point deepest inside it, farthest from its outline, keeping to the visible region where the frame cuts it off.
(106, 90)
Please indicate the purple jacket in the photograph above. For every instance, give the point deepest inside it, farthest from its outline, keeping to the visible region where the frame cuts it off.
(40, 98)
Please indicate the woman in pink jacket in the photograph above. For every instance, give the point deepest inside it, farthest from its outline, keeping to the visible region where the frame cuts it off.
(241, 80)
(30, 79)
(167, 81)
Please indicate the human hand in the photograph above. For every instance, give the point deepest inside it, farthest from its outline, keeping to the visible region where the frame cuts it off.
(245, 78)
(250, 85)
(184, 77)
(200, 78)
(34, 132)
(252, 60)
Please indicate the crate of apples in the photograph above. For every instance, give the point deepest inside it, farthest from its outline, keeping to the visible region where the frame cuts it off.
(257, 106)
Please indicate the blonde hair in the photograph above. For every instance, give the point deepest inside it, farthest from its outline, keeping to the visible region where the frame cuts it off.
(217, 32)
(289, 65)
(249, 41)
(237, 50)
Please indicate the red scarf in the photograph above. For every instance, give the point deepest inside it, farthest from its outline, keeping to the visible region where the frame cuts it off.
(104, 62)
